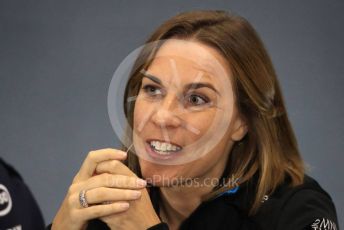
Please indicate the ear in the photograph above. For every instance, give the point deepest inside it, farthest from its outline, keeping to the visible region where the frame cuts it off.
(239, 129)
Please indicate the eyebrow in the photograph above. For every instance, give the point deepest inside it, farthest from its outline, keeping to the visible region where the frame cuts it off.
(195, 85)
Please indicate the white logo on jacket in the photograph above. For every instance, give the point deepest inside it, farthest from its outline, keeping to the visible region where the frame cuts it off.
(5, 201)
(323, 224)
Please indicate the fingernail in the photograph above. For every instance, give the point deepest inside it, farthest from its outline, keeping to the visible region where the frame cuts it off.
(136, 194)
(141, 182)
(124, 205)
(124, 154)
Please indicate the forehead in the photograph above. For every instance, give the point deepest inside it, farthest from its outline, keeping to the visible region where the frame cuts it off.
(189, 56)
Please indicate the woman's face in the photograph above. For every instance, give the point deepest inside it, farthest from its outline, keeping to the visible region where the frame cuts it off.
(185, 101)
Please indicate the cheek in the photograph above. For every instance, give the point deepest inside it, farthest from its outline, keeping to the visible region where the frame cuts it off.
(199, 123)
(139, 113)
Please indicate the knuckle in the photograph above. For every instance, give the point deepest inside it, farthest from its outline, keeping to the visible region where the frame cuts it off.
(121, 165)
(71, 189)
(108, 179)
(91, 155)
(70, 201)
(76, 177)
(116, 182)
(115, 164)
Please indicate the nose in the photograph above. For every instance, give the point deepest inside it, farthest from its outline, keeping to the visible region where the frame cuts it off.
(165, 114)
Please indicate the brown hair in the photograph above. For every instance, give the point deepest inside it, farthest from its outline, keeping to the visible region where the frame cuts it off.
(269, 149)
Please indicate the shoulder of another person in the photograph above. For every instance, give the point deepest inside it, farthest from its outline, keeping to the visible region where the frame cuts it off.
(307, 206)
(18, 209)
(7, 171)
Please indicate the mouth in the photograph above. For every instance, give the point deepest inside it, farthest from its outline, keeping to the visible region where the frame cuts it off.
(162, 150)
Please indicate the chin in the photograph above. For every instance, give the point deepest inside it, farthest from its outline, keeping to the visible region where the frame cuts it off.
(158, 175)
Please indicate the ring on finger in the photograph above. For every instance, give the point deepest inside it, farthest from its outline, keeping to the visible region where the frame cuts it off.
(82, 199)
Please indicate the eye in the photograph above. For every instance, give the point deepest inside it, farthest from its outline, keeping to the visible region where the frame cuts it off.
(197, 100)
(151, 90)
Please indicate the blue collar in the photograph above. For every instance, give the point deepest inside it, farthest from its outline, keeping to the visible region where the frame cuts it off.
(229, 192)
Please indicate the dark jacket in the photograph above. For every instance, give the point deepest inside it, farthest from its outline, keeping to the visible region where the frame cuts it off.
(18, 208)
(306, 206)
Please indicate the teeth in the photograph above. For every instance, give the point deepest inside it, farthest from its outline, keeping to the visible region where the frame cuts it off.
(163, 147)
(162, 152)
(157, 144)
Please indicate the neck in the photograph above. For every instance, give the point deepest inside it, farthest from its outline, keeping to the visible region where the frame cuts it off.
(178, 202)
(174, 208)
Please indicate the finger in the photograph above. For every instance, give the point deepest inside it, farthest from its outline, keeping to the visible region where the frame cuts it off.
(114, 167)
(110, 181)
(103, 194)
(97, 211)
(93, 158)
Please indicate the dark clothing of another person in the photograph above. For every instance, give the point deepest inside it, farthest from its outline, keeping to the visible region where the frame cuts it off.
(18, 208)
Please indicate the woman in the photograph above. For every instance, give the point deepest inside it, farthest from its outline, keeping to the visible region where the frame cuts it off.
(203, 73)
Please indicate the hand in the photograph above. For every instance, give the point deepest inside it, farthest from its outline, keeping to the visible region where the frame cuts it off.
(119, 189)
(140, 215)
